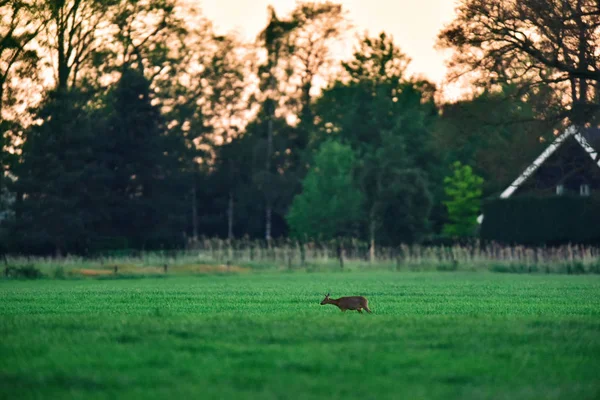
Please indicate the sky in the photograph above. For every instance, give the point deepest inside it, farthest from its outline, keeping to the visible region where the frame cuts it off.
(414, 24)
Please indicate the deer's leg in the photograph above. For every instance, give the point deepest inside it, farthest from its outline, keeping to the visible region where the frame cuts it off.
(359, 310)
(366, 307)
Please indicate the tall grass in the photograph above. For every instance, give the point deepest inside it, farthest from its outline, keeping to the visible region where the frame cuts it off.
(569, 258)
(314, 256)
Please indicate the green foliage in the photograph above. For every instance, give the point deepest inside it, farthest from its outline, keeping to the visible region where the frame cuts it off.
(404, 207)
(542, 221)
(110, 175)
(377, 60)
(398, 192)
(387, 120)
(330, 204)
(431, 335)
(463, 189)
(141, 176)
(138, 139)
(496, 133)
(241, 171)
(54, 176)
(28, 271)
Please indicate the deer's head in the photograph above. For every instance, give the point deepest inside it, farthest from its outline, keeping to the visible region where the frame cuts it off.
(325, 300)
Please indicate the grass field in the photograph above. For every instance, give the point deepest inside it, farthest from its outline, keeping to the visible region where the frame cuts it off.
(265, 336)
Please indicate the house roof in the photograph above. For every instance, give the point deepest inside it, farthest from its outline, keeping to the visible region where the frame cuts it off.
(592, 135)
(588, 139)
(582, 136)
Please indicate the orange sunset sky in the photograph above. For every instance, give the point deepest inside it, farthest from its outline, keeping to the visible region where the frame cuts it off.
(414, 24)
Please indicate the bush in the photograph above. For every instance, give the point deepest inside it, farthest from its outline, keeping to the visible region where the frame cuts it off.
(59, 273)
(24, 272)
(447, 267)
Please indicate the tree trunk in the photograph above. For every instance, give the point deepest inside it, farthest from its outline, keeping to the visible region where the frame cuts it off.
(230, 217)
(302, 254)
(574, 97)
(306, 113)
(194, 214)
(268, 217)
(1, 99)
(372, 239)
(340, 253)
(63, 67)
(268, 208)
(581, 105)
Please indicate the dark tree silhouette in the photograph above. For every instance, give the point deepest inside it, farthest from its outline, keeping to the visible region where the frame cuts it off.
(533, 43)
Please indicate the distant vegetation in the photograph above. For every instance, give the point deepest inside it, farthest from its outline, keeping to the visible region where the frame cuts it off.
(134, 125)
(217, 256)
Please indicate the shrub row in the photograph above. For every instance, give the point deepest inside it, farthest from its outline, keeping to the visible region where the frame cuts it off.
(542, 221)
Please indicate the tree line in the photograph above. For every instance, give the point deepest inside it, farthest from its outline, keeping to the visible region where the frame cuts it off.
(133, 124)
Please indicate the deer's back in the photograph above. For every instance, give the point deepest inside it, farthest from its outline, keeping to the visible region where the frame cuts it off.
(352, 301)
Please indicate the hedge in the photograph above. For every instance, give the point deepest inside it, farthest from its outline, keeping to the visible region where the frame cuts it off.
(539, 221)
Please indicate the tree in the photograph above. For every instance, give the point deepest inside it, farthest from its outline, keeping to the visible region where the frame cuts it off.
(53, 176)
(141, 172)
(73, 37)
(21, 23)
(149, 36)
(297, 49)
(320, 25)
(52, 210)
(283, 182)
(534, 44)
(275, 38)
(330, 204)
(495, 132)
(463, 189)
(387, 119)
(398, 193)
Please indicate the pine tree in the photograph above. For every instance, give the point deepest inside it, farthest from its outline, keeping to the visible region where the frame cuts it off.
(142, 169)
(53, 174)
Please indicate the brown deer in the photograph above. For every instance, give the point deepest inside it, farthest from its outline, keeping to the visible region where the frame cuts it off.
(348, 303)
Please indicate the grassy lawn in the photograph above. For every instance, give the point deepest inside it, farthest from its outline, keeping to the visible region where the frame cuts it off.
(265, 336)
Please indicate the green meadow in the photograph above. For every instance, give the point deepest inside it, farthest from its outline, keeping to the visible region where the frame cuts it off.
(432, 335)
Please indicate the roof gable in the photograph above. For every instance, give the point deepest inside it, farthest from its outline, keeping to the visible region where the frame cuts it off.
(578, 135)
(592, 136)
(582, 136)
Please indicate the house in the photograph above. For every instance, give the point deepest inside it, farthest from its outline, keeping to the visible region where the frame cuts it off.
(570, 165)
(555, 201)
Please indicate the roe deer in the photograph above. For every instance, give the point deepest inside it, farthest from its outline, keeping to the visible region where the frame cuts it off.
(348, 303)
